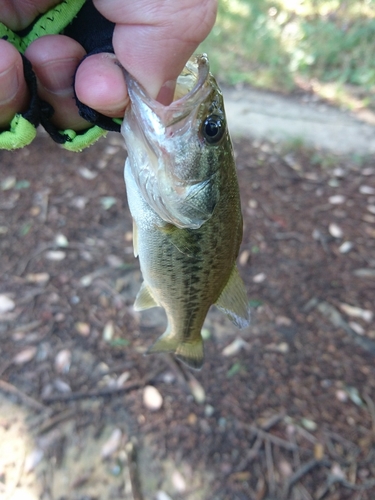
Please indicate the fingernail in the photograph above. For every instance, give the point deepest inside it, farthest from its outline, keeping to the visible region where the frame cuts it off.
(166, 93)
(57, 76)
(9, 84)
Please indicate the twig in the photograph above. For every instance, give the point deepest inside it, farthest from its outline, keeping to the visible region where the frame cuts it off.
(251, 454)
(270, 468)
(302, 471)
(333, 315)
(131, 455)
(22, 266)
(346, 484)
(272, 421)
(27, 400)
(99, 393)
(274, 439)
(371, 408)
(57, 419)
(289, 236)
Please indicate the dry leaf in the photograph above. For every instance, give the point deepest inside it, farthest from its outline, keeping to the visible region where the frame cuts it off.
(6, 304)
(152, 398)
(25, 356)
(112, 444)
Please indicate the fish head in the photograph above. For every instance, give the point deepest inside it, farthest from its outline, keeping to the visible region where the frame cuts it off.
(177, 152)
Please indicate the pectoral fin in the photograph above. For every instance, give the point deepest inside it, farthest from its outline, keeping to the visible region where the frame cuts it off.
(233, 300)
(144, 299)
(185, 240)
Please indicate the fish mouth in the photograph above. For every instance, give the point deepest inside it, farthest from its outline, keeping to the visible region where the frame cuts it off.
(191, 89)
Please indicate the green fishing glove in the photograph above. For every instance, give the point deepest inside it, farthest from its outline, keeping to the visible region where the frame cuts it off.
(79, 20)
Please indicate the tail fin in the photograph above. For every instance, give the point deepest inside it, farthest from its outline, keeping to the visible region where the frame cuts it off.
(190, 353)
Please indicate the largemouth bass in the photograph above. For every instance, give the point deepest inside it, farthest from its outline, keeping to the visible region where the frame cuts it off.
(183, 195)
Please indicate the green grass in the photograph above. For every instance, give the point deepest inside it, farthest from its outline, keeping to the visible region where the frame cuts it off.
(283, 44)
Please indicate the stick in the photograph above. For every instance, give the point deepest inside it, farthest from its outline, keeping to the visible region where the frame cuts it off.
(270, 468)
(302, 471)
(27, 400)
(274, 439)
(131, 455)
(371, 409)
(99, 393)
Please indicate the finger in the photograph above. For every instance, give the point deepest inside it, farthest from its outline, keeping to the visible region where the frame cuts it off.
(154, 39)
(100, 84)
(14, 95)
(55, 59)
(17, 15)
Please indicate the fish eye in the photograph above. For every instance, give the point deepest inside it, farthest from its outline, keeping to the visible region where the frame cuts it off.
(213, 129)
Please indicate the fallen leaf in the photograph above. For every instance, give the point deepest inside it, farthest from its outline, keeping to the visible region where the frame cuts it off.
(62, 386)
(33, 459)
(108, 331)
(346, 247)
(6, 304)
(336, 199)
(178, 481)
(161, 495)
(87, 174)
(197, 390)
(63, 360)
(82, 328)
(259, 278)
(354, 395)
(357, 312)
(152, 398)
(25, 356)
(308, 424)
(61, 240)
(364, 273)
(318, 451)
(112, 444)
(234, 347)
(39, 278)
(366, 190)
(335, 230)
(107, 202)
(8, 183)
(55, 255)
(22, 184)
(124, 377)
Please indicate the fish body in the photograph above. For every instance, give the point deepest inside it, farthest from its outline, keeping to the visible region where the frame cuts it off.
(183, 195)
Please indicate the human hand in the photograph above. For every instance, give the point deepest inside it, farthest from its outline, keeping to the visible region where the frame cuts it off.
(152, 39)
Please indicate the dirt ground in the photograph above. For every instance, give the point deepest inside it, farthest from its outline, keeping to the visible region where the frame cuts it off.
(284, 410)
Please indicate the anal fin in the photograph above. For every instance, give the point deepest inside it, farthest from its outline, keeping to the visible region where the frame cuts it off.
(233, 300)
(144, 299)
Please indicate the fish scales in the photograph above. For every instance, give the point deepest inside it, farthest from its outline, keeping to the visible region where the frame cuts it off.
(188, 264)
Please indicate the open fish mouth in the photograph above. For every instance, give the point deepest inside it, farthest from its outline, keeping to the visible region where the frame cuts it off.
(190, 91)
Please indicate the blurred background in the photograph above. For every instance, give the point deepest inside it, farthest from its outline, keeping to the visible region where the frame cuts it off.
(283, 410)
(321, 45)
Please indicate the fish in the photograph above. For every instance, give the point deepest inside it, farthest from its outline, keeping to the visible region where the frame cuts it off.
(183, 195)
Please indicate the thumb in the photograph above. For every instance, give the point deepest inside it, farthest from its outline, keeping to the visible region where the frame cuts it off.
(153, 39)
